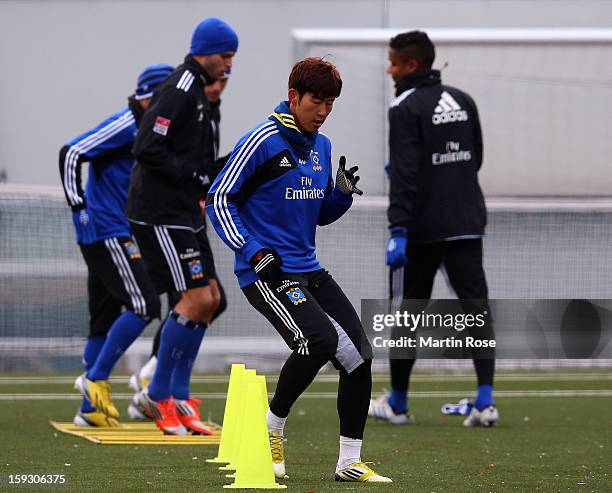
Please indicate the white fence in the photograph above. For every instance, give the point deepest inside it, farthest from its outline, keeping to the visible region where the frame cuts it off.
(536, 249)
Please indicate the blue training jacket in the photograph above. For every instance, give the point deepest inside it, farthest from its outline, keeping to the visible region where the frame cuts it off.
(107, 148)
(265, 196)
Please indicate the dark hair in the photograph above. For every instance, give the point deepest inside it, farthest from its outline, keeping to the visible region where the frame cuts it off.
(415, 45)
(316, 76)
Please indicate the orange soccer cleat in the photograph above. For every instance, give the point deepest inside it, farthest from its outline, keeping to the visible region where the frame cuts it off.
(163, 412)
(189, 415)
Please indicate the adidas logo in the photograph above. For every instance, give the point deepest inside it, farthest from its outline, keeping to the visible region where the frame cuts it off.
(284, 163)
(448, 111)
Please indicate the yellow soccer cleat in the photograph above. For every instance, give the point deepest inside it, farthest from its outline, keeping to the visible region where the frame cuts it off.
(95, 419)
(359, 472)
(98, 393)
(277, 447)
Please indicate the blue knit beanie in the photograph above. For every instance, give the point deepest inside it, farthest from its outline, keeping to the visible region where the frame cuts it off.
(150, 78)
(213, 36)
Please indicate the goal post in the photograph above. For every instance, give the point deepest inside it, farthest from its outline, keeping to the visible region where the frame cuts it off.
(543, 97)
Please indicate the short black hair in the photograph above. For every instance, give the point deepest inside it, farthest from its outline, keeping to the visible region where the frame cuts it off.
(316, 76)
(415, 45)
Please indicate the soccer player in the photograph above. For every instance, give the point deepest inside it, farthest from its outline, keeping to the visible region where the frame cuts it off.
(172, 149)
(140, 379)
(436, 209)
(266, 204)
(117, 276)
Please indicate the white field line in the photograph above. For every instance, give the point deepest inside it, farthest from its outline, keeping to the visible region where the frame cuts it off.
(332, 395)
(457, 377)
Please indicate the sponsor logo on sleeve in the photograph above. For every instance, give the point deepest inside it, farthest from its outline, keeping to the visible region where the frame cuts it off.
(161, 126)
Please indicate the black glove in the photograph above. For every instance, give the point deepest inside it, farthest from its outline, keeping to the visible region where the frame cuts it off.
(267, 265)
(346, 180)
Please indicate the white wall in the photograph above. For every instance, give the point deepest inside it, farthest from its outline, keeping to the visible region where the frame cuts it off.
(66, 65)
(544, 104)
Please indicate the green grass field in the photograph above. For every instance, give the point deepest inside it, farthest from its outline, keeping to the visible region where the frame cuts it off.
(546, 441)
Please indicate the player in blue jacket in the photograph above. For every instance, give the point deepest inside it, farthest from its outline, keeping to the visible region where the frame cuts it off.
(266, 204)
(117, 276)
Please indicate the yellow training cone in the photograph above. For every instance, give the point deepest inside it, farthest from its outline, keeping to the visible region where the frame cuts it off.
(243, 380)
(255, 459)
(230, 415)
(264, 394)
(261, 381)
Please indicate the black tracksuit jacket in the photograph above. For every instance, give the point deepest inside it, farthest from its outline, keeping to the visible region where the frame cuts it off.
(214, 168)
(175, 143)
(435, 145)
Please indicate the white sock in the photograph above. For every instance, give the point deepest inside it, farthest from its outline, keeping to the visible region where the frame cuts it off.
(148, 370)
(274, 422)
(350, 452)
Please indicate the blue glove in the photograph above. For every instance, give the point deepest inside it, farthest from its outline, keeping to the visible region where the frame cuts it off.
(396, 247)
(84, 226)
